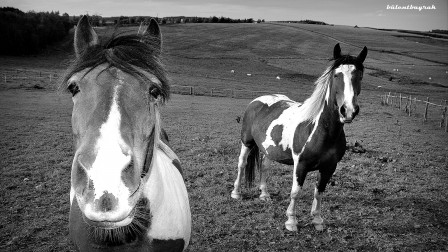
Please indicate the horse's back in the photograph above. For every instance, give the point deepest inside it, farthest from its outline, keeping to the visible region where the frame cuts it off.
(259, 114)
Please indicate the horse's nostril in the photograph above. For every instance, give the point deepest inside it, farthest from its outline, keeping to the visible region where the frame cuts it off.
(356, 110)
(343, 111)
(106, 202)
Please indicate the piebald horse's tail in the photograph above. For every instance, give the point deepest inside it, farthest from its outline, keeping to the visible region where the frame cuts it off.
(253, 161)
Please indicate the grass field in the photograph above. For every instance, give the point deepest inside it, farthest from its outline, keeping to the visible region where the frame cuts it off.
(391, 198)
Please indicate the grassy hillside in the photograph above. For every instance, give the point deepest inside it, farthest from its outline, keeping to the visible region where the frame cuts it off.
(203, 55)
(391, 198)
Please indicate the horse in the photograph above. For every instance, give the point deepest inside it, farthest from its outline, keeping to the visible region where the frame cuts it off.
(127, 189)
(309, 135)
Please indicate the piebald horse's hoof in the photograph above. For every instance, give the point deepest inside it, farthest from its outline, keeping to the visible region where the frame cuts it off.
(266, 198)
(236, 195)
(291, 226)
(318, 227)
(318, 223)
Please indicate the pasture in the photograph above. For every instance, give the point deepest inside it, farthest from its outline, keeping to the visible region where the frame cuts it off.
(393, 197)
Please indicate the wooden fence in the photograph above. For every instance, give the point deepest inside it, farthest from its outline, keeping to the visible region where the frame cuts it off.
(419, 108)
(219, 92)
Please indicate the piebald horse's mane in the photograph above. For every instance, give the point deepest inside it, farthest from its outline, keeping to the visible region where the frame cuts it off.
(314, 104)
(134, 54)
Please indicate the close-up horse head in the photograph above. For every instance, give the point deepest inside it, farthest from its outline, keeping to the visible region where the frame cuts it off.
(117, 191)
(347, 75)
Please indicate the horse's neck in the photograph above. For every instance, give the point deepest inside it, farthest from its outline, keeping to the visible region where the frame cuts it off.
(168, 199)
(329, 121)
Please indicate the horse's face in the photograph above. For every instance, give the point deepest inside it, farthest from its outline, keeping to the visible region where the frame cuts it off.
(111, 127)
(346, 86)
(112, 124)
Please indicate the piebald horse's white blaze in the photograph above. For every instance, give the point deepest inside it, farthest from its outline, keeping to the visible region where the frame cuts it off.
(349, 93)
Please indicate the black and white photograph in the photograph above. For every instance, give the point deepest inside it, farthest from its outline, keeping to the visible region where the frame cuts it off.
(240, 126)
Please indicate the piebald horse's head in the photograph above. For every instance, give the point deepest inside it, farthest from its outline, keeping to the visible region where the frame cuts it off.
(346, 82)
(116, 88)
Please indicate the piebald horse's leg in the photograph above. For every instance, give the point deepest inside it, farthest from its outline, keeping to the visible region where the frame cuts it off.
(242, 162)
(299, 175)
(322, 179)
(263, 177)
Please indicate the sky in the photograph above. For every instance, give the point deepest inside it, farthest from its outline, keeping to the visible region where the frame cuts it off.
(377, 14)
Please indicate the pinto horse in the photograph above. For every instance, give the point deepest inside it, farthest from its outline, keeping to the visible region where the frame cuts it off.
(309, 136)
(127, 189)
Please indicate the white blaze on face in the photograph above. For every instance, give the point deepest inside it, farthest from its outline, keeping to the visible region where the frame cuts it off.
(349, 93)
(110, 160)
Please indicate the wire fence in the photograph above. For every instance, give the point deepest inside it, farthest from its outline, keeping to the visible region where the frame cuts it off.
(428, 110)
(35, 79)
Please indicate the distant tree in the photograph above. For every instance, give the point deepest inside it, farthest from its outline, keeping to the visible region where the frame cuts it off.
(28, 33)
(215, 19)
(123, 20)
(95, 20)
(140, 20)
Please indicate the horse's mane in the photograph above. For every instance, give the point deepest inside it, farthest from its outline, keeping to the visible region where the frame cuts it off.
(315, 103)
(133, 54)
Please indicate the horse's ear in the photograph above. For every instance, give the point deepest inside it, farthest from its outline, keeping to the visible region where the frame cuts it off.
(362, 55)
(336, 51)
(85, 36)
(153, 33)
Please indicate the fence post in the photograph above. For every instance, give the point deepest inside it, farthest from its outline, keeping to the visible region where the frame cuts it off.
(191, 90)
(211, 92)
(410, 105)
(415, 105)
(400, 101)
(425, 116)
(446, 120)
(442, 120)
(387, 100)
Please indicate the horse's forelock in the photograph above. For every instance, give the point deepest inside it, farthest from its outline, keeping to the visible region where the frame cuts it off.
(132, 54)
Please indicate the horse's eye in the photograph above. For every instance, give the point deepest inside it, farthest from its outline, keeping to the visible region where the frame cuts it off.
(154, 92)
(73, 88)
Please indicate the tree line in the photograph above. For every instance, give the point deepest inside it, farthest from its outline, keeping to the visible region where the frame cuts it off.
(31, 32)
